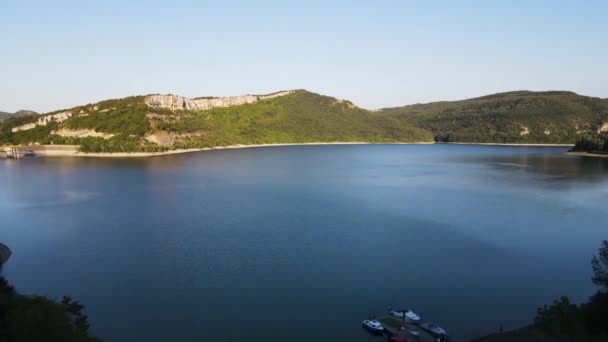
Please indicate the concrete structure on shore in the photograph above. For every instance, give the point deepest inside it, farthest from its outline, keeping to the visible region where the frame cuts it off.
(12, 152)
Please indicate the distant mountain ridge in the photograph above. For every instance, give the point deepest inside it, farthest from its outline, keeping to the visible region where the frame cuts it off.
(154, 123)
(511, 117)
(4, 115)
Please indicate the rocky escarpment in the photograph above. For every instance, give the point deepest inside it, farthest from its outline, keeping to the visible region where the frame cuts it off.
(43, 121)
(5, 253)
(174, 102)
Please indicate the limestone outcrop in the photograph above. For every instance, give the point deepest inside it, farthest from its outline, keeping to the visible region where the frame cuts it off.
(5, 253)
(175, 102)
(43, 121)
(81, 133)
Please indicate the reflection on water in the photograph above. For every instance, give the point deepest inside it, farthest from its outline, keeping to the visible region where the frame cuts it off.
(557, 170)
(169, 248)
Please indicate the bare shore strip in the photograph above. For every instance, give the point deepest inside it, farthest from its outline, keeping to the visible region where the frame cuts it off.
(72, 150)
(588, 154)
(523, 145)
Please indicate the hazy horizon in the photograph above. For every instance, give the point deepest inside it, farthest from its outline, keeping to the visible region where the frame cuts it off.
(66, 53)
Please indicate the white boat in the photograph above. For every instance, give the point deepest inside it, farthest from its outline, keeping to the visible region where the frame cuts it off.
(414, 332)
(395, 313)
(409, 314)
(435, 330)
(373, 326)
(412, 316)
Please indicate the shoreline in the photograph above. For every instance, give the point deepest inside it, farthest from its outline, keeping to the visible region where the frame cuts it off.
(511, 144)
(587, 154)
(72, 151)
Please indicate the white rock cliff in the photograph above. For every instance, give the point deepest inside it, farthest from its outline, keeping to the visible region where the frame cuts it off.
(43, 121)
(174, 102)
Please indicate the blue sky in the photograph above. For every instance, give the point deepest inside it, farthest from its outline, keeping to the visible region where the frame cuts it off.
(57, 54)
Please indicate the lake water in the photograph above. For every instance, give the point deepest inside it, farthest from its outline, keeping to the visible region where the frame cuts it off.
(301, 243)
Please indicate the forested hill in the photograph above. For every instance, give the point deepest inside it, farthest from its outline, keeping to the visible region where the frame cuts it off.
(513, 117)
(163, 122)
(4, 115)
(170, 122)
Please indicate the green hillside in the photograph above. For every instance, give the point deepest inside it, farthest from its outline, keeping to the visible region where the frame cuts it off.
(130, 125)
(295, 118)
(514, 117)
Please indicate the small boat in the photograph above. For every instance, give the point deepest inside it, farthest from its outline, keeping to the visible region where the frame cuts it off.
(412, 316)
(373, 326)
(409, 314)
(433, 329)
(414, 332)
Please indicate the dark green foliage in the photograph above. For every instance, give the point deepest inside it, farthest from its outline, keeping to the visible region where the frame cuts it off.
(589, 322)
(561, 319)
(595, 313)
(118, 143)
(515, 117)
(129, 119)
(591, 142)
(35, 318)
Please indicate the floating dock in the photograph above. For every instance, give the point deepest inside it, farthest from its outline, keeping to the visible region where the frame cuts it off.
(395, 328)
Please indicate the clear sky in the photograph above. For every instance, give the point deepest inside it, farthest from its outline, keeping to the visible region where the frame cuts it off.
(57, 54)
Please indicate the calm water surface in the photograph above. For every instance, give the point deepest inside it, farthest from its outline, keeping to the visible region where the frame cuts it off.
(302, 243)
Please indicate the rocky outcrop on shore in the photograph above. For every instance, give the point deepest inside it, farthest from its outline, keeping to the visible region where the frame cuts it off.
(174, 102)
(5, 253)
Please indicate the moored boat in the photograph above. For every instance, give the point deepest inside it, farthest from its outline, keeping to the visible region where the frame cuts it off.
(433, 329)
(412, 316)
(373, 326)
(407, 313)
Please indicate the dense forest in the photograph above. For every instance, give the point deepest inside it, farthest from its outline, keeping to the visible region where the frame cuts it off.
(514, 117)
(591, 142)
(129, 125)
(36, 318)
(563, 320)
